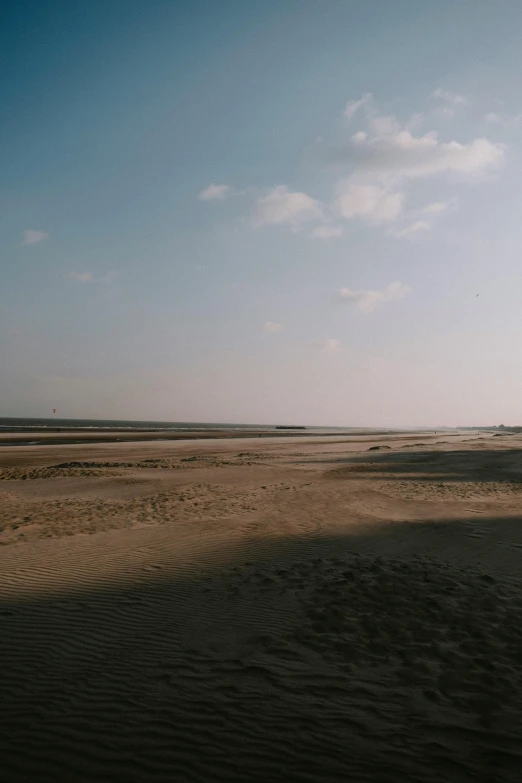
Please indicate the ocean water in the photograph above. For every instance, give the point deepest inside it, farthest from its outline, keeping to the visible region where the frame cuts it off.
(17, 424)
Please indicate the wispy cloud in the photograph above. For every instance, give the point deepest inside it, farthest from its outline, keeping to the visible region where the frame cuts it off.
(449, 97)
(403, 155)
(329, 346)
(367, 300)
(414, 228)
(384, 125)
(271, 327)
(376, 203)
(88, 277)
(504, 122)
(282, 206)
(435, 208)
(353, 106)
(32, 237)
(215, 192)
(81, 277)
(327, 231)
(415, 122)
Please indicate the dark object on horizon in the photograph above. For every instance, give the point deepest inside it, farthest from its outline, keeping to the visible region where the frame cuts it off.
(289, 427)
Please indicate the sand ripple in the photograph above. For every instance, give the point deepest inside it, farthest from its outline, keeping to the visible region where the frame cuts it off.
(357, 668)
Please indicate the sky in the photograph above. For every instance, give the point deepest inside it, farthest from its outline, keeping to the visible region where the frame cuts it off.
(283, 212)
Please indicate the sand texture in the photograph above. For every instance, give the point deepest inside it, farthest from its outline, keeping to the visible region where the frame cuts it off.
(297, 609)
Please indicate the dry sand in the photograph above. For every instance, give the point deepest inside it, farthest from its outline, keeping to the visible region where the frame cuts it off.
(294, 609)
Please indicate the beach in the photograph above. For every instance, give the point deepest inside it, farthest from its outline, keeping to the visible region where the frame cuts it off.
(283, 608)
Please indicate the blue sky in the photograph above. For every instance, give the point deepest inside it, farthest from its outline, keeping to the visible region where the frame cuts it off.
(263, 212)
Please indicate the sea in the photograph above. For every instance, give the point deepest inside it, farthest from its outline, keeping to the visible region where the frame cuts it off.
(9, 424)
(127, 426)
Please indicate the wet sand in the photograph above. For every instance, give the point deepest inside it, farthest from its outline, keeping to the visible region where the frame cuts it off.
(32, 436)
(284, 609)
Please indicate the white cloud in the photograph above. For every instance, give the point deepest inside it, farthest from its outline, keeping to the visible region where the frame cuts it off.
(329, 346)
(404, 155)
(435, 208)
(282, 206)
(215, 192)
(353, 106)
(449, 97)
(448, 112)
(368, 299)
(327, 231)
(414, 228)
(382, 157)
(82, 277)
(33, 237)
(271, 327)
(372, 202)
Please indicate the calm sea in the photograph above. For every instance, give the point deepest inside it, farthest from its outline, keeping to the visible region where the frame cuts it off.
(17, 424)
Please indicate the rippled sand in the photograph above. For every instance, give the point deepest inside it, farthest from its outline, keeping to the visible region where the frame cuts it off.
(296, 610)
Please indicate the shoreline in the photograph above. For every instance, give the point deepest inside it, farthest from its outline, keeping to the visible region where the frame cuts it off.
(63, 435)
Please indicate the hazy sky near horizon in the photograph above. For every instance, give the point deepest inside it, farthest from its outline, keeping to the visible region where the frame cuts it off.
(277, 212)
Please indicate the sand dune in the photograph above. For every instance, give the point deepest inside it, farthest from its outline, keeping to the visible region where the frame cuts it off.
(289, 613)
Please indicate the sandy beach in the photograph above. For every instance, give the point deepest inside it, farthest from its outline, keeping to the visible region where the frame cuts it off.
(275, 609)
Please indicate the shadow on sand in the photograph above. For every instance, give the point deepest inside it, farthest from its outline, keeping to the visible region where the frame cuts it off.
(298, 660)
(475, 465)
